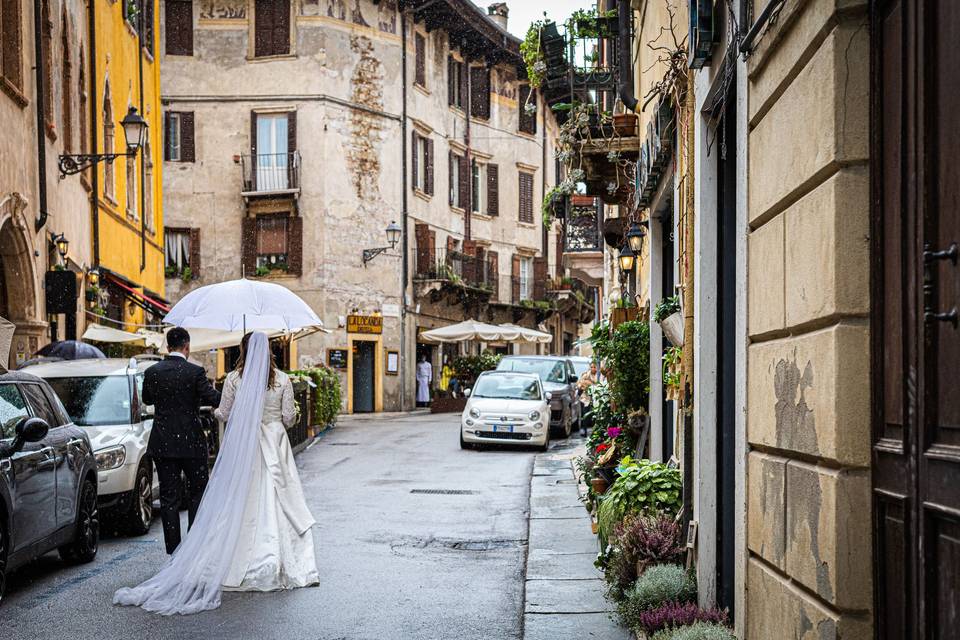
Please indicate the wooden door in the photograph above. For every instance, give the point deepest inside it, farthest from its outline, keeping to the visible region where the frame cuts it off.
(916, 343)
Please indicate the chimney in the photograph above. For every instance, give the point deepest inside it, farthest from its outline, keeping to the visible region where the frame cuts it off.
(498, 12)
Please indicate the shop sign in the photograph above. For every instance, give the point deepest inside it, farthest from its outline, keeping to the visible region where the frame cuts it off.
(364, 324)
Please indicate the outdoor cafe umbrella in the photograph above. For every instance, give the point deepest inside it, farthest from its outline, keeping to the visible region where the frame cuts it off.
(472, 330)
(243, 305)
(531, 335)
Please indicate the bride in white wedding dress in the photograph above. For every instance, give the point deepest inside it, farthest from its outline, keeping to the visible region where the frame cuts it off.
(252, 531)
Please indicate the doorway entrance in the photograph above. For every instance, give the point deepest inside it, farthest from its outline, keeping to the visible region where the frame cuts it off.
(915, 294)
(364, 375)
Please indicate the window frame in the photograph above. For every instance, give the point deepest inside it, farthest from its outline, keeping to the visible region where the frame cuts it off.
(526, 278)
(478, 188)
(263, 259)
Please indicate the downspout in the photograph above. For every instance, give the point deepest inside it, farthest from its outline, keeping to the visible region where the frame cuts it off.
(405, 243)
(41, 127)
(625, 85)
(467, 160)
(94, 102)
(143, 158)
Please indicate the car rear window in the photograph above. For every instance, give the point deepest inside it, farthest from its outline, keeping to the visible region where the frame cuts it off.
(548, 370)
(94, 402)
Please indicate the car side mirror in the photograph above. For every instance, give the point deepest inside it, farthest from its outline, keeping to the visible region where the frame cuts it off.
(466, 392)
(146, 412)
(573, 379)
(548, 395)
(29, 430)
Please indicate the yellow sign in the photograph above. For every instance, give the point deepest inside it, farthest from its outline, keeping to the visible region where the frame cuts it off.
(365, 324)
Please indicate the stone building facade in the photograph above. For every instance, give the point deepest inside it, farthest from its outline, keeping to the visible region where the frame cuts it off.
(296, 132)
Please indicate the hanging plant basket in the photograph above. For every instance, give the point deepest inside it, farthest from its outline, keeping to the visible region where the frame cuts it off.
(619, 315)
(672, 327)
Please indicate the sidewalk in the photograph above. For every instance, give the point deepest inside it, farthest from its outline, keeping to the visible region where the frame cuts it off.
(563, 591)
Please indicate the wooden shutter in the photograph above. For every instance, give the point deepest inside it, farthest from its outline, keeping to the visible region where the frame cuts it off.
(464, 89)
(480, 92)
(420, 68)
(187, 153)
(271, 28)
(494, 260)
(421, 231)
(464, 182)
(469, 270)
(539, 278)
(295, 245)
(195, 252)
(179, 27)
(291, 131)
(414, 172)
(528, 122)
(451, 81)
(493, 190)
(166, 135)
(429, 161)
(248, 244)
(526, 197)
(515, 279)
(451, 244)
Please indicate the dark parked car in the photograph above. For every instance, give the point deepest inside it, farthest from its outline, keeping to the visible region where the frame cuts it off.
(559, 378)
(48, 478)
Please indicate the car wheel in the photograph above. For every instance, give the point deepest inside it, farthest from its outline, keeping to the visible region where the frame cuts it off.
(3, 562)
(87, 536)
(140, 512)
(463, 444)
(546, 443)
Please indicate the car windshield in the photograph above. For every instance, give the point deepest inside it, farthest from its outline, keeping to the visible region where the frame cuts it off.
(507, 388)
(548, 370)
(93, 402)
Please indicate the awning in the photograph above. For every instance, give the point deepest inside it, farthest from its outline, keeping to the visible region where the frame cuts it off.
(531, 335)
(142, 300)
(100, 333)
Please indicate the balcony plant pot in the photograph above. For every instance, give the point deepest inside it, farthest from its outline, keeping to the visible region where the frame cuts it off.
(580, 200)
(599, 485)
(625, 124)
(672, 327)
(619, 315)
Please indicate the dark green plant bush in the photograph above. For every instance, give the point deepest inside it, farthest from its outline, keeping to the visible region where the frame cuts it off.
(326, 396)
(644, 487)
(696, 631)
(629, 364)
(657, 586)
(467, 368)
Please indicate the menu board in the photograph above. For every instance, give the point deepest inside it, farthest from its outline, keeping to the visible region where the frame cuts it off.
(337, 358)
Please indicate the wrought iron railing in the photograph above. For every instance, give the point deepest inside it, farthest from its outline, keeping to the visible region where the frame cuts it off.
(456, 266)
(582, 229)
(270, 172)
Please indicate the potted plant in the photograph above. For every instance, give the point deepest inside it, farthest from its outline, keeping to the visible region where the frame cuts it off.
(667, 314)
(625, 311)
(672, 358)
(625, 124)
(581, 200)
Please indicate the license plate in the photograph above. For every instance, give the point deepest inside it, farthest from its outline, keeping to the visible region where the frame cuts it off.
(503, 427)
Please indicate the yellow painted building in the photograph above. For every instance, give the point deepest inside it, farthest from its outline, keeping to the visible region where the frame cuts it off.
(128, 233)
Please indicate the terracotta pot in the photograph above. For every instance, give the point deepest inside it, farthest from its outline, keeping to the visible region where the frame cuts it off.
(595, 527)
(599, 485)
(625, 124)
(580, 200)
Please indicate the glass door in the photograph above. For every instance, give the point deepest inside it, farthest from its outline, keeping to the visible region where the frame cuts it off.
(272, 152)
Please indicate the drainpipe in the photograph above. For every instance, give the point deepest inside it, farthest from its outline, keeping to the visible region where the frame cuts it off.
(467, 160)
(94, 102)
(625, 86)
(143, 158)
(41, 127)
(405, 243)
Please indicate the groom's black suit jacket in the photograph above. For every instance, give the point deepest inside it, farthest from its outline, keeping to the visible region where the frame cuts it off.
(177, 389)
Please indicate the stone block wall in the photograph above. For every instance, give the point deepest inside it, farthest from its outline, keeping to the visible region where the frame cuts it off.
(808, 565)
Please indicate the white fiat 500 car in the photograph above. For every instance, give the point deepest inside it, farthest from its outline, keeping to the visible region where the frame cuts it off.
(102, 396)
(504, 407)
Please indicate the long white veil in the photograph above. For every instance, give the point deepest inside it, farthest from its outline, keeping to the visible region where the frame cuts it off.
(192, 579)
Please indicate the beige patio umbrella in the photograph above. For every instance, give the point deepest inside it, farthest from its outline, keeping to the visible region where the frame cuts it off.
(6, 339)
(100, 333)
(472, 330)
(530, 335)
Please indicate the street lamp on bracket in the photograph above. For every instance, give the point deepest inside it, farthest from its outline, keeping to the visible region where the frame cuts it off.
(393, 231)
(134, 132)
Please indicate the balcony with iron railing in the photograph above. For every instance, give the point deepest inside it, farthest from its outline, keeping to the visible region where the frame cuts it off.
(456, 267)
(583, 239)
(270, 174)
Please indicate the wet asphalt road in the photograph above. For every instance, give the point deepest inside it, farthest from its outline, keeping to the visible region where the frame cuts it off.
(398, 559)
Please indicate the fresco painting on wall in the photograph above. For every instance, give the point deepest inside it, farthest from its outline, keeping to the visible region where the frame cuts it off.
(387, 16)
(223, 10)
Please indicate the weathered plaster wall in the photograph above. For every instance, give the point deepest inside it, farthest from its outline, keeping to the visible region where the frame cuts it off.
(808, 507)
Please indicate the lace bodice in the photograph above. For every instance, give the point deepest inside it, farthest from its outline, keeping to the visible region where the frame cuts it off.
(278, 403)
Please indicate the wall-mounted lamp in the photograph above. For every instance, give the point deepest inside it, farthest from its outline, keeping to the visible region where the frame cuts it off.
(62, 244)
(93, 277)
(134, 131)
(627, 259)
(635, 237)
(393, 232)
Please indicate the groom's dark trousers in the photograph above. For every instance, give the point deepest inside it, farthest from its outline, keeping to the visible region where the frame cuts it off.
(177, 389)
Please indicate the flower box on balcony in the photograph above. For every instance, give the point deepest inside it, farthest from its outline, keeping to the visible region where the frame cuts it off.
(580, 200)
(620, 315)
(625, 124)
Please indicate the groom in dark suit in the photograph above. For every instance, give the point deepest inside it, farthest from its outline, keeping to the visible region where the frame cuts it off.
(177, 389)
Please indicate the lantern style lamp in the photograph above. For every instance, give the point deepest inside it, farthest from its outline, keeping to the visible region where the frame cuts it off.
(93, 277)
(63, 245)
(627, 258)
(134, 128)
(134, 131)
(393, 237)
(635, 237)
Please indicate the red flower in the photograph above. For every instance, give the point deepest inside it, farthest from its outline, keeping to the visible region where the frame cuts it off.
(602, 447)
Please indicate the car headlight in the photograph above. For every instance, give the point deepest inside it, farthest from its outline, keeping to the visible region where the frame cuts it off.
(534, 416)
(474, 413)
(111, 458)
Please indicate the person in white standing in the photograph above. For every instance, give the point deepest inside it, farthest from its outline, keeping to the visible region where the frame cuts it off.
(424, 378)
(253, 529)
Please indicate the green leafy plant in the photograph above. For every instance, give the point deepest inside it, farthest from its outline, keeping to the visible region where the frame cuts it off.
(539, 305)
(671, 362)
(666, 308)
(187, 274)
(641, 541)
(326, 395)
(261, 271)
(657, 586)
(532, 54)
(468, 368)
(696, 631)
(644, 487)
(629, 363)
(170, 271)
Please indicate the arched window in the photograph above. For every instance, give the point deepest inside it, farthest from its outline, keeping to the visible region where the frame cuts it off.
(133, 209)
(148, 212)
(108, 185)
(66, 86)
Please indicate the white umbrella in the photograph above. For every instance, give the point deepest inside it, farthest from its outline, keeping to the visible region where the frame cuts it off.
(472, 330)
(100, 333)
(243, 305)
(531, 335)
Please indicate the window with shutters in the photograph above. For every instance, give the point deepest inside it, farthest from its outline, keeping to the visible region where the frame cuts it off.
(272, 242)
(528, 110)
(178, 250)
(179, 137)
(148, 186)
(47, 40)
(178, 30)
(480, 92)
(456, 167)
(526, 278)
(478, 187)
(66, 85)
(456, 83)
(11, 43)
(271, 25)
(131, 184)
(82, 115)
(420, 61)
(526, 197)
(108, 180)
(422, 164)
